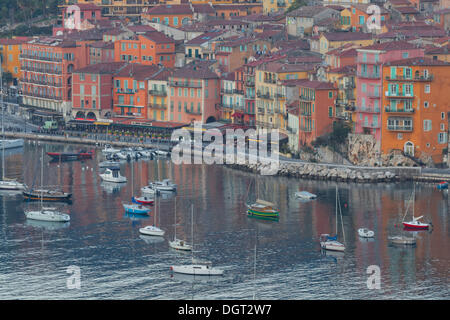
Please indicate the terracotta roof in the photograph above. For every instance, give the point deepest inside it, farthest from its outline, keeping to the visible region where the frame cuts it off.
(197, 69)
(102, 68)
(390, 46)
(138, 71)
(346, 36)
(279, 67)
(170, 9)
(406, 10)
(102, 45)
(158, 37)
(347, 70)
(205, 37)
(417, 62)
(308, 11)
(203, 8)
(141, 29)
(6, 41)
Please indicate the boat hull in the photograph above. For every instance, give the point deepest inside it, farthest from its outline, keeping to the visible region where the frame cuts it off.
(133, 209)
(152, 231)
(47, 215)
(180, 245)
(410, 226)
(69, 156)
(402, 240)
(11, 144)
(34, 196)
(143, 200)
(11, 185)
(198, 270)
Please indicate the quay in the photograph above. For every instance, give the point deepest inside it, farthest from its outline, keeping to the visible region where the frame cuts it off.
(287, 167)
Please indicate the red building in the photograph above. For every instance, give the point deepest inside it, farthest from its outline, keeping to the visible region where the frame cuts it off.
(92, 93)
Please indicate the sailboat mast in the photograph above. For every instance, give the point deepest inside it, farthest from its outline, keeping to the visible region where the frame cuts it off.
(336, 210)
(3, 127)
(192, 230)
(175, 220)
(42, 175)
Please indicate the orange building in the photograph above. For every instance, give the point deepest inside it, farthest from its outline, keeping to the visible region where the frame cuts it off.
(230, 11)
(355, 17)
(147, 49)
(10, 50)
(415, 108)
(317, 111)
(130, 97)
(174, 15)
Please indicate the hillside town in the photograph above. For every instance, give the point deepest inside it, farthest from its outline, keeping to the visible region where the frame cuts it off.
(310, 69)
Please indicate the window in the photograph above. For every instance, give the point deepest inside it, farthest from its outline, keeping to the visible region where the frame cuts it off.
(426, 125)
(442, 127)
(427, 88)
(330, 94)
(121, 99)
(405, 55)
(81, 89)
(426, 104)
(94, 104)
(442, 137)
(330, 111)
(81, 76)
(442, 115)
(363, 87)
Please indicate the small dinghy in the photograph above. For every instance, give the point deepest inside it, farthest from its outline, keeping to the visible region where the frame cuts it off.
(305, 195)
(143, 200)
(365, 233)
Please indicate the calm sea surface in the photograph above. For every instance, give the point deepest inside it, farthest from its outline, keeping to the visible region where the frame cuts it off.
(262, 260)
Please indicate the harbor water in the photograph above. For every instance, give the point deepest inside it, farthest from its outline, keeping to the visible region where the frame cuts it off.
(261, 259)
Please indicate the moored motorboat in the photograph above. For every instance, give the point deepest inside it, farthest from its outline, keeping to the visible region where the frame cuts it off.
(47, 214)
(365, 233)
(136, 209)
(46, 195)
(12, 143)
(65, 156)
(113, 175)
(164, 186)
(415, 224)
(11, 184)
(305, 195)
(402, 240)
(109, 149)
(152, 231)
(143, 200)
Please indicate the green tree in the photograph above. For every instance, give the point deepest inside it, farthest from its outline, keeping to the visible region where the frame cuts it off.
(296, 4)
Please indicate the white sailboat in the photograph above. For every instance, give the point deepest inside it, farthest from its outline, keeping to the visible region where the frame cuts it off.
(7, 184)
(177, 243)
(112, 175)
(153, 230)
(198, 267)
(134, 208)
(46, 214)
(415, 223)
(330, 243)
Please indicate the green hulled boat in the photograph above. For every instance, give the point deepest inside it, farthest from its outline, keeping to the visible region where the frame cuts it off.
(263, 210)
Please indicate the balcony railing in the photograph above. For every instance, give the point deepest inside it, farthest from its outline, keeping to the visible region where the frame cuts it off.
(307, 98)
(25, 56)
(226, 91)
(192, 111)
(281, 4)
(372, 125)
(400, 95)
(369, 75)
(280, 96)
(126, 91)
(185, 84)
(40, 70)
(420, 77)
(157, 106)
(399, 128)
(392, 110)
(368, 61)
(264, 95)
(261, 110)
(305, 129)
(369, 110)
(250, 83)
(160, 93)
(43, 83)
(270, 80)
(44, 96)
(305, 113)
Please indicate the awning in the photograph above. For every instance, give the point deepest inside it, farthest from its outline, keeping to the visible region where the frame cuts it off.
(237, 114)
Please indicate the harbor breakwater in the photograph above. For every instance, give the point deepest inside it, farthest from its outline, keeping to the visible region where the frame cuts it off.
(288, 168)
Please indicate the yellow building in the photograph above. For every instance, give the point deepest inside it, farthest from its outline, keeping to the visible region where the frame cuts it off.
(345, 80)
(10, 51)
(331, 40)
(158, 101)
(270, 6)
(272, 94)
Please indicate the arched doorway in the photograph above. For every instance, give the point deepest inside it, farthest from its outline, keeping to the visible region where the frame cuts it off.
(91, 116)
(408, 148)
(80, 115)
(211, 119)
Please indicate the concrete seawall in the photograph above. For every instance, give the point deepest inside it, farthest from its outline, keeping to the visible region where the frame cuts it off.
(303, 170)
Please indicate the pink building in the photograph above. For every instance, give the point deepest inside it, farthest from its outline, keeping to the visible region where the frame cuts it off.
(92, 95)
(194, 93)
(369, 82)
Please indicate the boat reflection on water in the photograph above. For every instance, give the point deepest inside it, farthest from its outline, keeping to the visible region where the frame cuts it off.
(136, 217)
(111, 187)
(47, 225)
(195, 278)
(151, 239)
(336, 255)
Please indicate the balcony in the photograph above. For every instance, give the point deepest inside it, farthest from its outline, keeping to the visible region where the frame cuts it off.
(126, 91)
(280, 96)
(185, 84)
(192, 111)
(371, 125)
(369, 75)
(350, 108)
(40, 70)
(305, 113)
(250, 83)
(24, 56)
(417, 77)
(306, 98)
(399, 128)
(226, 91)
(261, 110)
(227, 107)
(401, 95)
(264, 95)
(236, 91)
(368, 61)
(369, 110)
(43, 83)
(306, 129)
(291, 130)
(157, 106)
(270, 80)
(159, 93)
(281, 4)
(44, 96)
(402, 111)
